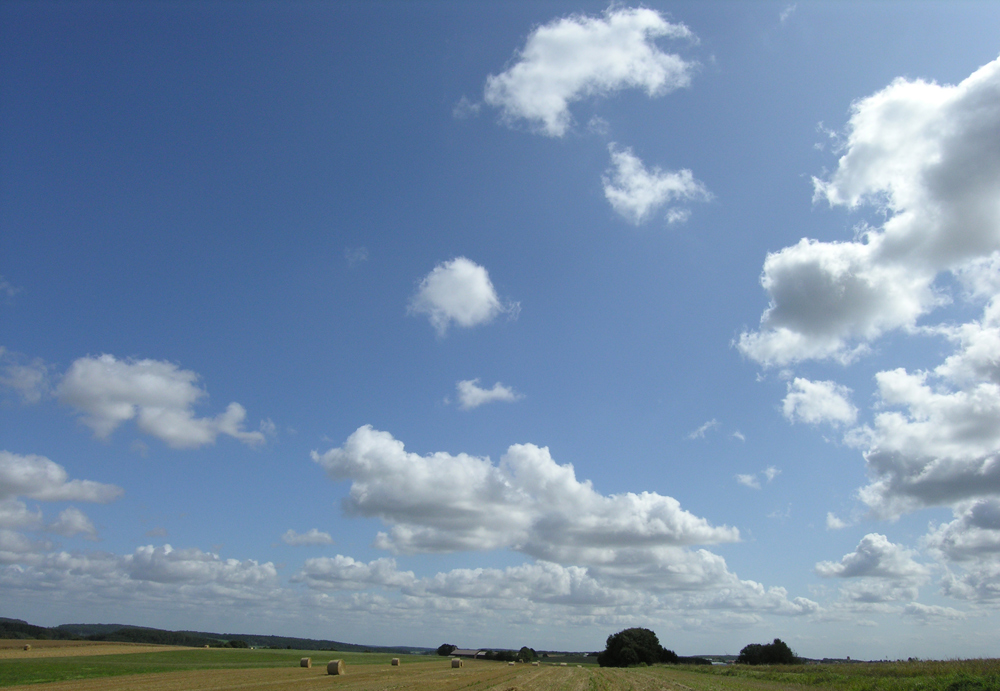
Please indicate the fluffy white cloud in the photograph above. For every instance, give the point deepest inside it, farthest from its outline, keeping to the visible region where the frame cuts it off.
(978, 356)
(975, 532)
(192, 566)
(578, 56)
(829, 298)
(818, 401)
(459, 291)
(36, 477)
(941, 449)
(72, 522)
(471, 395)
(15, 514)
(884, 571)
(927, 156)
(313, 536)
(15, 547)
(932, 612)
(636, 192)
(345, 573)
(159, 395)
(528, 502)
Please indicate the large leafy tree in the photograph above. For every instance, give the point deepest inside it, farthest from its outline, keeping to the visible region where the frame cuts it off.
(632, 647)
(776, 653)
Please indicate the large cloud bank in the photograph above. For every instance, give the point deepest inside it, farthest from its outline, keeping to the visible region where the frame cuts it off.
(926, 157)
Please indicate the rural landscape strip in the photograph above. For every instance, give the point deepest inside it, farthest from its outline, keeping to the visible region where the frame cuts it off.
(276, 670)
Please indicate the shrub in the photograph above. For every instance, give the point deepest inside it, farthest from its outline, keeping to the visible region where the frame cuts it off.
(446, 649)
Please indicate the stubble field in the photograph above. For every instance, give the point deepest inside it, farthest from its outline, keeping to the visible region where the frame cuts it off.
(60, 665)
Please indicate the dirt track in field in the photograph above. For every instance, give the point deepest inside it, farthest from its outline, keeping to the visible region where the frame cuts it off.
(11, 649)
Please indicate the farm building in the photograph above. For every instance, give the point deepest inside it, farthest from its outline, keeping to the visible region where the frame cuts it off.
(463, 652)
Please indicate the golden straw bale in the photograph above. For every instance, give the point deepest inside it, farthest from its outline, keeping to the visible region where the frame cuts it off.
(395, 662)
(534, 664)
(306, 662)
(27, 646)
(455, 663)
(510, 664)
(335, 667)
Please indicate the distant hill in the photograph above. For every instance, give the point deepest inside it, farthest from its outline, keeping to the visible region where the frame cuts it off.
(122, 633)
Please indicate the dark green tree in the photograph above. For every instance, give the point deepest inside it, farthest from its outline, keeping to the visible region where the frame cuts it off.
(446, 649)
(632, 647)
(776, 653)
(526, 654)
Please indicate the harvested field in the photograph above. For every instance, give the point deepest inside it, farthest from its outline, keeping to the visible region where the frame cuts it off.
(280, 670)
(14, 648)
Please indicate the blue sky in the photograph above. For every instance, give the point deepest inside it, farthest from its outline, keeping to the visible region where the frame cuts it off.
(504, 324)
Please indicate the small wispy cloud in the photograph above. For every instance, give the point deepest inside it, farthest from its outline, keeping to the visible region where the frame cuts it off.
(7, 289)
(834, 523)
(465, 109)
(310, 537)
(787, 13)
(751, 480)
(471, 395)
(356, 255)
(739, 435)
(700, 432)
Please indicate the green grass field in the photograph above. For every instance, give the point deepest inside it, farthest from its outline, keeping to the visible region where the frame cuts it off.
(955, 675)
(28, 671)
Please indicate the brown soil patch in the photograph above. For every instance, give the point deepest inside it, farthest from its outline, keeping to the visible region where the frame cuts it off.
(14, 648)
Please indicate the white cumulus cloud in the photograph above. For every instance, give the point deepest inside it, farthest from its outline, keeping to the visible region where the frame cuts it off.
(927, 156)
(36, 477)
(459, 291)
(471, 395)
(158, 395)
(443, 502)
(882, 571)
(814, 402)
(576, 57)
(637, 192)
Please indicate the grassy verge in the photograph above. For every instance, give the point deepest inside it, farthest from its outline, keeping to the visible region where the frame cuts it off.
(952, 675)
(28, 671)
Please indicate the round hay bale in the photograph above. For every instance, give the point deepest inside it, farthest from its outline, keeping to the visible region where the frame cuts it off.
(205, 646)
(306, 662)
(27, 646)
(510, 664)
(455, 663)
(395, 662)
(335, 667)
(534, 664)
(563, 664)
